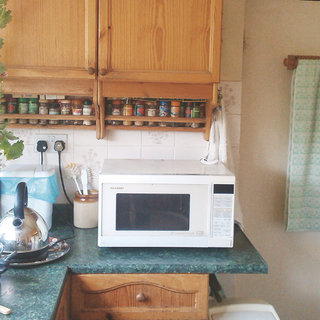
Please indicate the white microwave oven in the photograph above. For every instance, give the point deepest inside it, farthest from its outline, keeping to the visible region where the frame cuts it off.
(165, 203)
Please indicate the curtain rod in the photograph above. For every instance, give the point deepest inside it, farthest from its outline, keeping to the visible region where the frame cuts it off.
(292, 61)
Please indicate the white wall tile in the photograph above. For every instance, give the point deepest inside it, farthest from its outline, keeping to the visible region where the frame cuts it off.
(88, 138)
(184, 153)
(157, 138)
(124, 152)
(124, 138)
(233, 124)
(190, 139)
(231, 96)
(91, 157)
(157, 153)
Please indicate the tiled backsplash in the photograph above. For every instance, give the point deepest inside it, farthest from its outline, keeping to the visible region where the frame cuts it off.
(84, 149)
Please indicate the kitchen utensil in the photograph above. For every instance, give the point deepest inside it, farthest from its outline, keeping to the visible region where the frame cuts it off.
(84, 181)
(73, 171)
(4, 310)
(23, 230)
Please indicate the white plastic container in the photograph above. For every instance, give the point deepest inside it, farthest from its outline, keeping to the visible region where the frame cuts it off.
(242, 309)
(27, 173)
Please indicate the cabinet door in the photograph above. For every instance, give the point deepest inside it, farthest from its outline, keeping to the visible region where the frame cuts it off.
(63, 312)
(51, 39)
(160, 40)
(139, 296)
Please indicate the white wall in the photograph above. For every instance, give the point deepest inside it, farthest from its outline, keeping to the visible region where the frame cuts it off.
(273, 30)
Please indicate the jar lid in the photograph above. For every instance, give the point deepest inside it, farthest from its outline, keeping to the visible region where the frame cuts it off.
(77, 101)
(54, 105)
(12, 100)
(23, 99)
(140, 102)
(3, 100)
(65, 101)
(43, 101)
(175, 103)
(87, 102)
(164, 103)
(33, 100)
(116, 101)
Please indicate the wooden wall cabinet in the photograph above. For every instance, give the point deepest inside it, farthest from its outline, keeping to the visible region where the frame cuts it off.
(176, 41)
(51, 39)
(139, 296)
(110, 48)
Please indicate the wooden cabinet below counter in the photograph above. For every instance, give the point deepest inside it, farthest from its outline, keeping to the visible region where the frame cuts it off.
(139, 296)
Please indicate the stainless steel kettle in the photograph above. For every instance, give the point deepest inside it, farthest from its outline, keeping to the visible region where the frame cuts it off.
(24, 230)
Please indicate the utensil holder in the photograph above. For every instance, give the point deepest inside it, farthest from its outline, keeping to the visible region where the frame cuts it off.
(85, 209)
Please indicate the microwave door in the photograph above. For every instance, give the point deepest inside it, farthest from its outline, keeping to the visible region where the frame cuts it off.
(152, 212)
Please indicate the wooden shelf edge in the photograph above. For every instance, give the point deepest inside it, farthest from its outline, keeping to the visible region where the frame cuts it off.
(154, 128)
(51, 126)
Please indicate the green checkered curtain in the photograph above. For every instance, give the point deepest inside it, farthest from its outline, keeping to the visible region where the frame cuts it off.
(302, 207)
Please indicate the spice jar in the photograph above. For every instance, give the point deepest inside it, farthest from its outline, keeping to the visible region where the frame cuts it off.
(175, 112)
(12, 107)
(23, 109)
(127, 111)
(77, 110)
(54, 109)
(151, 111)
(85, 210)
(139, 111)
(87, 111)
(43, 109)
(33, 109)
(188, 113)
(3, 103)
(66, 110)
(116, 111)
(195, 114)
(164, 109)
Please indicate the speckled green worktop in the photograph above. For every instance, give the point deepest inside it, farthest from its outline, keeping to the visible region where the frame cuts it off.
(34, 292)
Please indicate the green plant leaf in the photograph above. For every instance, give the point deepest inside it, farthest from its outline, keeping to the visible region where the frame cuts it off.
(15, 151)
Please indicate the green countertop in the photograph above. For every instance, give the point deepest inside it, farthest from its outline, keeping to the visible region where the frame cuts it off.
(34, 292)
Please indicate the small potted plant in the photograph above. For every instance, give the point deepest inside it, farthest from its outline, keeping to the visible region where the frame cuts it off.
(10, 146)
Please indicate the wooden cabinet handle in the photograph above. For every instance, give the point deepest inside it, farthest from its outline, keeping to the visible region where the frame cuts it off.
(91, 70)
(103, 72)
(141, 297)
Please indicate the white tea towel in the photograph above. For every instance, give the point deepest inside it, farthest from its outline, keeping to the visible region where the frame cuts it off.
(219, 150)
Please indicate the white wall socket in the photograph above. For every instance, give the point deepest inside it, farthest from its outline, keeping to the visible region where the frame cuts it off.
(51, 139)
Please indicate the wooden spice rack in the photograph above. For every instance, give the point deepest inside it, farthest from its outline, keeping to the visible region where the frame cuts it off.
(9, 116)
(146, 119)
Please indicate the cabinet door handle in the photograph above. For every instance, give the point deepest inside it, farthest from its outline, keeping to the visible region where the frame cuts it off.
(91, 70)
(103, 72)
(141, 297)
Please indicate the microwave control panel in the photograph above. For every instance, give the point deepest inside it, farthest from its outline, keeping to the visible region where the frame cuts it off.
(223, 210)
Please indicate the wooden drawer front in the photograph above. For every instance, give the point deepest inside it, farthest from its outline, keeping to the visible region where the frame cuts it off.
(139, 296)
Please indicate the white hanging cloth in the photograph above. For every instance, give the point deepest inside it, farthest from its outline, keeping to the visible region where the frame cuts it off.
(219, 151)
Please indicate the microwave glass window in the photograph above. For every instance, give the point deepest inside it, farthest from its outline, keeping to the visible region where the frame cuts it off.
(143, 212)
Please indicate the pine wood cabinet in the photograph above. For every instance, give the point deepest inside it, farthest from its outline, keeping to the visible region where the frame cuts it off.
(176, 41)
(139, 296)
(63, 312)
(115, 48)
(160, 41)
(51, 39)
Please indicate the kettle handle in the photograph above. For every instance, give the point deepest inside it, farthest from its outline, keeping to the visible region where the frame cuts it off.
(21, 200)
